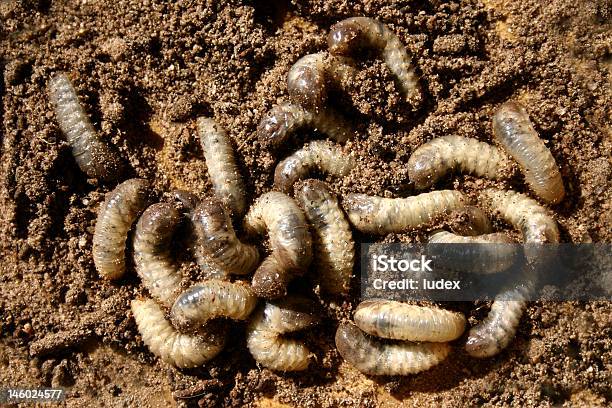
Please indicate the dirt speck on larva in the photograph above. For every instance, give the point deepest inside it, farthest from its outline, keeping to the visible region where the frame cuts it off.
(144, 72)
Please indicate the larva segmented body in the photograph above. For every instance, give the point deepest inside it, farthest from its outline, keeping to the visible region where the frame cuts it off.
(515, 132)
(523, 213)
(378, 215)
(222, 168)
(181, 350)
(152, 259)
(212, 299)
(470, 220)
(374, 357)
(95, 158)
(472, 254)
(290, 241)
(116, 215)
(316, 156)
(497, 330)
(436, 158)
(354, 33)
(333, 246)
(309, 78)
(265, 330)
(282, 120)
(400, 321)
(217, 239)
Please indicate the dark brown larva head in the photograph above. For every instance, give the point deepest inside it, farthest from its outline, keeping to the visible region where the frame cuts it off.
(104, 162)
(210, 217)
(470, 221)
(270, 279)
(287, 173)
(297, 312)
(509, 121)
(314, 191)
(344, 37)
(480, 346)
(159, 219)
(187, 200)
(272, 130)
(306, 82)
(421, 171)
(348, 340)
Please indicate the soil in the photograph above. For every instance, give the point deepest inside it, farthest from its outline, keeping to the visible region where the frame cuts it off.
(145, 70)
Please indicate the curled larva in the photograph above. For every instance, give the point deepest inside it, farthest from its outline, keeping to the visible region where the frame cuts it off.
(523, 213)
(378, 215)
(211, 299)
(269, 323)
(217, 239)
(95, 158)
(400, 321)
(470, 220)
(282, 120)
(374, 357)
(515, 132)
(316, 156)
(290, 241)
(309, 78)
(181, 350)
(436, 158)
(222, 169)
(483, 254)
(333, 247)
(152, 259)
(351, 34)
(497, 330)
(116, 215)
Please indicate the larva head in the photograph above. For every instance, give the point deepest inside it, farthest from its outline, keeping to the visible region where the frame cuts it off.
(272, 129)
(470, 221)
(510, 121)
(187, 200)
(104, 162)
(344, 37)
(481, 346)
(306, 81)
(314, 192)
(359, 206)
(287, 173)
(349, 341)
(422, 170)
(210, 218)
(158, 223)
(291, 314)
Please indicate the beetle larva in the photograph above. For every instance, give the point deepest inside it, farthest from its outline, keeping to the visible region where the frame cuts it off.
(334, 250)
(265, 330)
(374, 357)
(95, 158)
(515, 132)
(470, 220)
(152, 259)
(523, 213)
(354, 33)
(290, 241)
(431, 161)
(482, 254)
(316, 156)
(282, 120)
(400, 321)
(309, 78)
(216, 238)
(497, 330)
(181, 350)
(119, 211)
(222, 168)
(379, 215)
(211, 299)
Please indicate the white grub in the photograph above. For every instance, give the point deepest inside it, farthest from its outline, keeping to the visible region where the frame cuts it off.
(310, 78)
(284, 119)
(401, 321)
(95, 158)
(152, 258)
(333, 246)
(515, 132)
(178, 349)
(116, 216)
(212, 299)
(352, 34)
(317, 156)
(438, 157)
(375, 357)
(222, 169)
(265, 332)
(378, 215)
(291, 243)
(216, 240)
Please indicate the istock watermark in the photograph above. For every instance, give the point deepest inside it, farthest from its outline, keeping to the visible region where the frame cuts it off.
(470, 272)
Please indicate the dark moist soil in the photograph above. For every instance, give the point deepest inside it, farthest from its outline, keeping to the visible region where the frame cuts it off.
(145, 70)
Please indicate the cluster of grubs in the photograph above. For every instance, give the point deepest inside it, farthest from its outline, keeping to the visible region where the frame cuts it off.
(187, 327)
